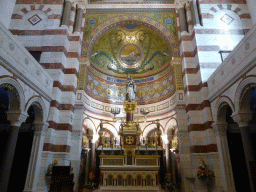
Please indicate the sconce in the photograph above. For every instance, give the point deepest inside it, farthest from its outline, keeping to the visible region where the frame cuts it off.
(115, 111)
(144, 111)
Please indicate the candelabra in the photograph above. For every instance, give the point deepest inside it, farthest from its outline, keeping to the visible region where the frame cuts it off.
(115, 111)
(144, 111)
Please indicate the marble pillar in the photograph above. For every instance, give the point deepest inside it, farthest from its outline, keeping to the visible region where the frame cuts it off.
(79, 19)
(182, 20)
(224, 157)
(167, 156)
(35, 157)
(16, 119)
(66, 13)
(243, 120)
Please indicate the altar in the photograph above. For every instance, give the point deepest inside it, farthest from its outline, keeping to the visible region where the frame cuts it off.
(130, 166)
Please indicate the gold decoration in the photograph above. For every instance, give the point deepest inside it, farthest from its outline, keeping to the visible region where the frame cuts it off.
(109, 92)
(130, 107)
(119, 93)
(178, 73)
(151, 92)
(99, 89)
(129, 140)
(141, 93)
(92, 84)
(160, 89)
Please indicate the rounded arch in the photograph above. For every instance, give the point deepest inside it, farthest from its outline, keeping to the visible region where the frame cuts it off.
(213, 10)
(243, 91)
(219, 114)
(97, 31)
(110, 127)
(171, 124)
(39, 108)
(149, 128)
(15, 94)
(87, 122)
(44, 8)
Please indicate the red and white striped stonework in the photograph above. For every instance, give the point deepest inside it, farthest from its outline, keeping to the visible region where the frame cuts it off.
(199, 47)
(61, 49)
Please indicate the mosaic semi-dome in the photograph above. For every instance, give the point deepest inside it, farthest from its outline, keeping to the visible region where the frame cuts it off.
(130, 49)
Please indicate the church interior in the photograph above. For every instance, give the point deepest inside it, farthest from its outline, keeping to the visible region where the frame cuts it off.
(127, 95)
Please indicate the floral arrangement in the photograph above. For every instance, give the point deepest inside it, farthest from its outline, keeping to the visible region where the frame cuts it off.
(204, 172)
(93, 181)
(49, 170)
(168, 183)
(55, 162)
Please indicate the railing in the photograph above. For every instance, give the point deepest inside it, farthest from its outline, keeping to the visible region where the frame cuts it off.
(18, 61)
(236, 64)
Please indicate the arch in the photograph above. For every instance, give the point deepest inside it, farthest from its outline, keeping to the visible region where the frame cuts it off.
(171, 123)
(213, 10)
(220, 109)
(15, 94)
(100, 29)
(139, 180)
(110, 127)
(244, 86)
(89, 124)
(39, 107)
(129, 178)
(110, 178)
(44, 8)
(149, 127)
(119, 179)
(149, 180)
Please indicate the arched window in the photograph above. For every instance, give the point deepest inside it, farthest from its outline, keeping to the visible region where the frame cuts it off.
(129, 180)
(119, 180)
(149, 180)
(139, 183)
(110, 180)
(129, 158)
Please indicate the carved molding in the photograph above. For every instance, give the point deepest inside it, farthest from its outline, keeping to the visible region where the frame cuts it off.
(16, 118)
(41, 128)
(243, 119)
(220, 129)
(180, 3)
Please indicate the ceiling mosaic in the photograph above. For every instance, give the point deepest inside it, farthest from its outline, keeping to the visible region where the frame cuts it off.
(138, 42)
(129, 41)
(148, 92)
(131, 2)
(130, 49)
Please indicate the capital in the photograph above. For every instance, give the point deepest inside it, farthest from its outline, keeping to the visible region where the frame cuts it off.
(242, 118)
(16, 118)
(180, 3)
(41, 128)
(220, 129)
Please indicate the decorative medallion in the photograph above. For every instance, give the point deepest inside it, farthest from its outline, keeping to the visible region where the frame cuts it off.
(247, 46)
(119, 93)
(92, 84)
(99, 89)
(129, 140)
(141, 93)
(227, 19)
(160, 89)
(130, 55)
(168, 84)
(11, 46)
(34, 19)
(109, 92)
(151, 92)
